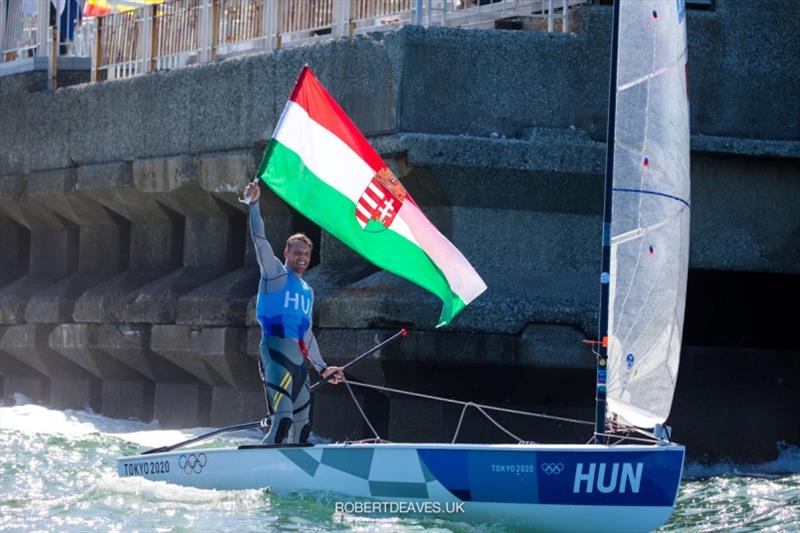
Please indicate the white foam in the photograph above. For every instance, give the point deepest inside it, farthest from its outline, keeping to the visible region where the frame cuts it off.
(35, 419)
(160, 490)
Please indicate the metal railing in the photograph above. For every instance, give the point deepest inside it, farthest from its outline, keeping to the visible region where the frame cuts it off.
(176, 33)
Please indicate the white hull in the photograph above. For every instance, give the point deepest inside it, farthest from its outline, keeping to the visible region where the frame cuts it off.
(542, 487)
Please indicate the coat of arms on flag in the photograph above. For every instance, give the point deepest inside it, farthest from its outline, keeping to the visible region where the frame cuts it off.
(380, 201)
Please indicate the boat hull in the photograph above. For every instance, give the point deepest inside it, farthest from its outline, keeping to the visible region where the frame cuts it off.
(544, 487)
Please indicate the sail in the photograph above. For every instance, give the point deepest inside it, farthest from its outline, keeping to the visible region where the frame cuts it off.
(650, 211)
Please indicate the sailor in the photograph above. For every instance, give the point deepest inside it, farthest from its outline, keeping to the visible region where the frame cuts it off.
(283, 308)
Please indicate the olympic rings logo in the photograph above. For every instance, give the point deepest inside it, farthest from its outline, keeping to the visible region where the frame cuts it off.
(192, 463)
(552, 468)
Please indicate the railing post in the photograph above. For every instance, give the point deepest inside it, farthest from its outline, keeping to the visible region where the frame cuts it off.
(341, 17)
(3, 8)
(428, 14)
(275, 12)
(204, 31)
(549, 16)
(565, 18)
(419, 10)
(52, 63)
(96, 49)
(153, 22)
(42, 24)
(351, 24)
(215, 28)
(145, 49)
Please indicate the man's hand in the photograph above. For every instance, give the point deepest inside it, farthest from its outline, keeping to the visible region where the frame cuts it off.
(252, 192)
(336, 372)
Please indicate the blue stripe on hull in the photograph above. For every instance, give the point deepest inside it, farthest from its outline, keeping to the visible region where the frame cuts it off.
(600, 477)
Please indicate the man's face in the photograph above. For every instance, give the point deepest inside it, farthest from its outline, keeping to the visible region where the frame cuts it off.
(297, 256)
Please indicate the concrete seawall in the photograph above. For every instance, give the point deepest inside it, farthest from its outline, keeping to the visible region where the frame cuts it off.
(127, 278)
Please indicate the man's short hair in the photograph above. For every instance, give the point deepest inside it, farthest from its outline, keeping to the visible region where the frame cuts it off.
(299, 237)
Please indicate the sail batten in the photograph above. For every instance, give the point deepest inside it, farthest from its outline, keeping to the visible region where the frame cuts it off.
(650, 209)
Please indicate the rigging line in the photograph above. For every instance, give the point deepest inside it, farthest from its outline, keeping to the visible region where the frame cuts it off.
(467, 405)
(459, 402)
(360, 410)
(493, 421)
(656, 193)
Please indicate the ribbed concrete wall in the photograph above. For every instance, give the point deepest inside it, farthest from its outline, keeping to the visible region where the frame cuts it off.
(127, 276)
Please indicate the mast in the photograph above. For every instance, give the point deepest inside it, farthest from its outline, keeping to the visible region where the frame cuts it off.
(605, 278)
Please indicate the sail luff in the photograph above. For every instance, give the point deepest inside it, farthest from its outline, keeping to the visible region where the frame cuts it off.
(605, 264)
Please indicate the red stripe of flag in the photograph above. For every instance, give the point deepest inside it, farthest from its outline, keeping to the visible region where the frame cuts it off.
(323, 109)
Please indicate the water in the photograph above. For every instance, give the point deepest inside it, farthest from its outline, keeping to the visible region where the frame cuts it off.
(57, 473)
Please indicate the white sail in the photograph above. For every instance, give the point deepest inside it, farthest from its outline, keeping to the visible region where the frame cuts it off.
(650, 211)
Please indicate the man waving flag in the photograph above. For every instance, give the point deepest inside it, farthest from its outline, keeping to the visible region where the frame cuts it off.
(321, 164)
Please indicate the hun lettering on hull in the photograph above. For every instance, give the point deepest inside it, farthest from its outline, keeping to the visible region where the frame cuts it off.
(607, 478)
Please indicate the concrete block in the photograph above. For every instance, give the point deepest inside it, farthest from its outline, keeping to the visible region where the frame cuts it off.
(19, 378)
(254, 336)
(130, 344)
(180, 405)
(129, 399)
(51, 182)
(37, 389)
(163, 174)
(157, 301)
(14, 297)
(340, 346)
(555, 346)
(514, 298)
(214, 355)
(15, 241)
(233, 406)
(29, 343)
(12, 186)
(740, 237)
(223, 301)
(336, 417)
(743, 390)
(117, 176)
(56, 303)
(227, 172)
(416, 420)
(76, 394)
(79, 343)
(106, 301)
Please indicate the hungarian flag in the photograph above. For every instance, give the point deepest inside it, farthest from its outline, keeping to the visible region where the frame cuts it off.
(98, 8)
(321, 165)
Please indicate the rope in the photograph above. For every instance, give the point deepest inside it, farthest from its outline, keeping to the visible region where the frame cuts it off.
(477, 405)
(360, 410)
(484, 413)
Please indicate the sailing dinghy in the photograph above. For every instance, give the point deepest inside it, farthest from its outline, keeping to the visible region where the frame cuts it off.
(627, 477)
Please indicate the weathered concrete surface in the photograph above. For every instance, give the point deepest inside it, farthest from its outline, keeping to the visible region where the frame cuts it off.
(127, 276)
(394, 81)
(70, 386)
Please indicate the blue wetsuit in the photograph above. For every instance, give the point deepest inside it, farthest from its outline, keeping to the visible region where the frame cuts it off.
(283, 308)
